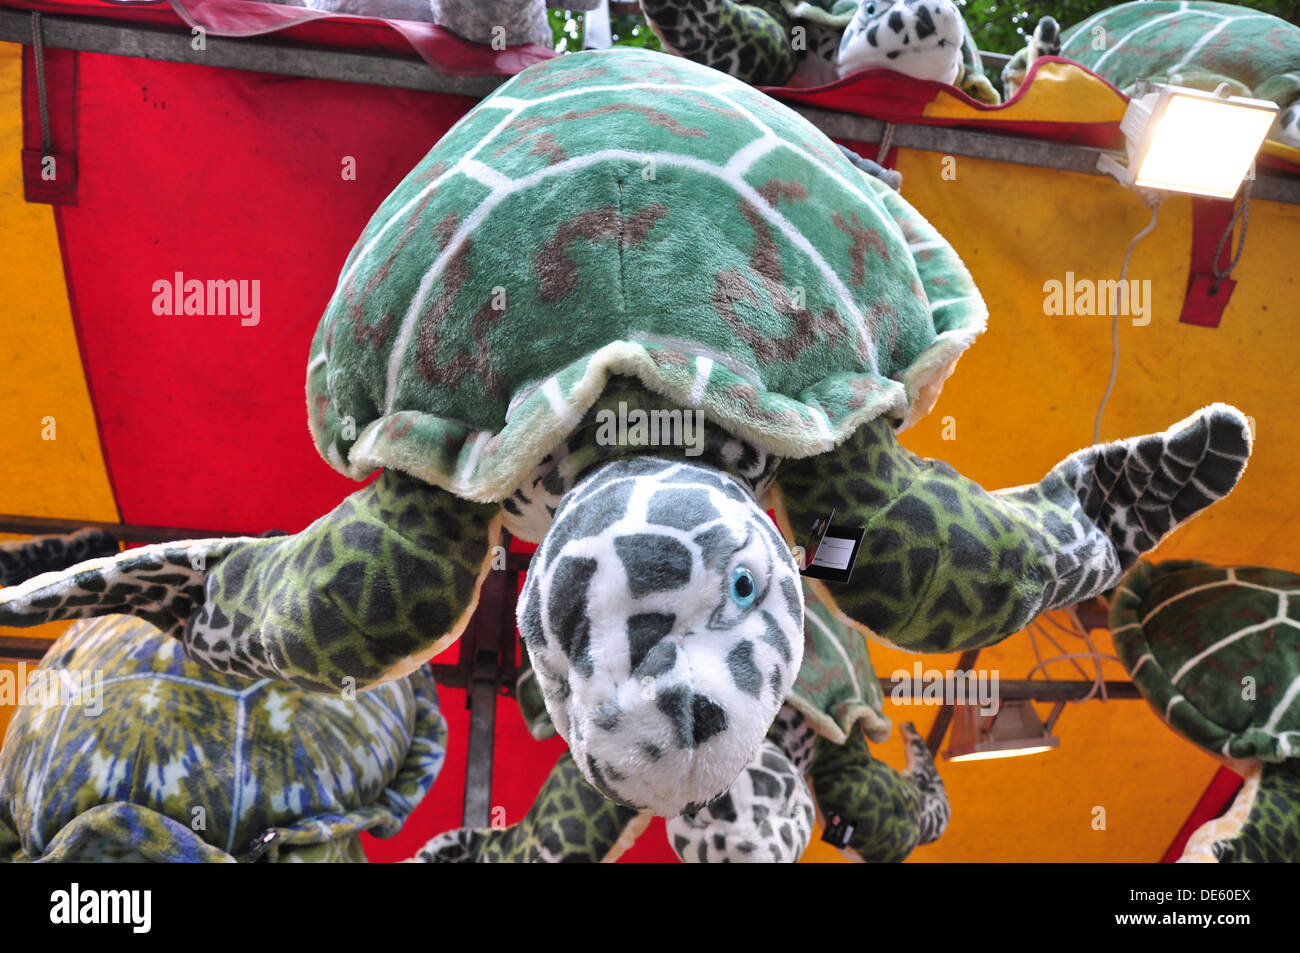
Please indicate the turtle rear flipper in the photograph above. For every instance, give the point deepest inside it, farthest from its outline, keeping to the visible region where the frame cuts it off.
(888, 814)
(569, 822)
(364, 594)
(947, 566)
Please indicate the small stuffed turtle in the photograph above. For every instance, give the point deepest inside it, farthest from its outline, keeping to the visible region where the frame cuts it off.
(624, 306)
(767, 815)
(783, 43)
(124, 750)
(1190, 43)
(1216, 653)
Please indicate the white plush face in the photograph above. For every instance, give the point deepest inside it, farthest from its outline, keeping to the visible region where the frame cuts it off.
(1287, 128)
(664, 620)
(922, 38)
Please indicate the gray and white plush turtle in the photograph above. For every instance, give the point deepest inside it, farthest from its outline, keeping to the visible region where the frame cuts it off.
(624, 305)
(874, 812)
(125, 750)
(808, 43)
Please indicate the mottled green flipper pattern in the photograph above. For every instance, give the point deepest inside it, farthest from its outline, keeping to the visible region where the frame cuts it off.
(21, 560)
(947, 566)
(891, 813)
(750, 41)
(366, 593)
(126, 750)
(1216, 653)
(570, 821)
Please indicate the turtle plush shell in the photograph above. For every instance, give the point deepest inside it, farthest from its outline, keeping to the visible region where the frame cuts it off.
(1196, 44)
(836, 687)
(1216, 652)
(126, 750)
(627, 212)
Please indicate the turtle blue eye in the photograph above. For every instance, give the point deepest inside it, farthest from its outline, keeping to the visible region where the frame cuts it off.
(743, 588)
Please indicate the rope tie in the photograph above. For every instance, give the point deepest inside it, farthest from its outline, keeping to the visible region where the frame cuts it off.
(886, 143)
(1242, 212)
(38, 51)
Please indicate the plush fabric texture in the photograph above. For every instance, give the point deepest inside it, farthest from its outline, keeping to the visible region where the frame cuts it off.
(1196, 44)
(463, 345)
(1189, 633)
(891, 812)
(663, 619)
(925, 39)
(117, 761)
(23, 559)
(765, 817)
(366, 593)
(947, 566)
(1215, 651)
(569, 822)
(837, 688)
(1045, 41)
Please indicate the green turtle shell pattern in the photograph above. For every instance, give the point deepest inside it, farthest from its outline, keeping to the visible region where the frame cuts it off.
(1190, 43)
(836, 687)
(628, 212)
(140, 754)
(1216, 652)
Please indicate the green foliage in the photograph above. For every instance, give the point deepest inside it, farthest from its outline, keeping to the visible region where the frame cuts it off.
(1000, 27)
(628, 30)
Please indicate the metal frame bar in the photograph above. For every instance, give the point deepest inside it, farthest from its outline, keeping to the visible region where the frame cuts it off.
(256, 54)
(260, 54)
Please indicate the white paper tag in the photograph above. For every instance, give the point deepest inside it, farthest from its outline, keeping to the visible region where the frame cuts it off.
(834, 553)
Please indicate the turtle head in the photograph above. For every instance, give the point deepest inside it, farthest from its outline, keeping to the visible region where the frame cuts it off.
(663, 617)
(922, 38)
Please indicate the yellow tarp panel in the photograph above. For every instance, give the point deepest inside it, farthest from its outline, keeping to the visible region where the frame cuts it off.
(41, 377)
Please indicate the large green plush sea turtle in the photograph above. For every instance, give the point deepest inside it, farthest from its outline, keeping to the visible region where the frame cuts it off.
(1190, 43)
(808, 43)
(1216, 652)
(874, 812)
(125, 750)
(622, 306)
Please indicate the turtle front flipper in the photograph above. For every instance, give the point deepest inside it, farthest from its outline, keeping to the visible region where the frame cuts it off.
(766, 816)
(1262, 825)
(569, 822)
(947, 566)
(364, 594)
(750, 41)
(21, 560)
(885, 814)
